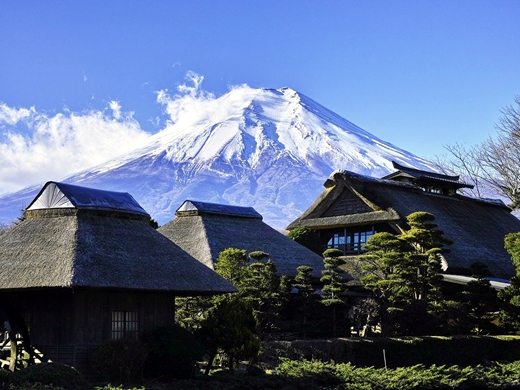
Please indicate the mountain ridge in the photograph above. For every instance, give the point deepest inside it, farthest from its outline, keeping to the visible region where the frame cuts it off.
(271, 149)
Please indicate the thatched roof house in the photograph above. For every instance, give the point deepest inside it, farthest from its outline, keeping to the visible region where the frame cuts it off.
(206, 229)
(78, 237)
(85, 266)
(353, 207)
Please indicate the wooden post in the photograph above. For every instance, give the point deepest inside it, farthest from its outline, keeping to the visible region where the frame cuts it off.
(14, 351)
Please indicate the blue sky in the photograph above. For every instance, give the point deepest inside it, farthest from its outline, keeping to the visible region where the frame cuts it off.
(418, 74)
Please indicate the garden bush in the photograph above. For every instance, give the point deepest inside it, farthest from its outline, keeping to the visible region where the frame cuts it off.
(120, 360)
(346, 376)
(173, 353)
(48, 376)
(399, 352)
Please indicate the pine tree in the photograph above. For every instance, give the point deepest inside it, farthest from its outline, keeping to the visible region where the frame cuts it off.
(190, 312)
(261, 287)
(381, 266)
(420, 271)
(479, 297)
(231, 264)
(403, 273)
(510, 296)
(333, 283)
(422, 263)
(306, 296)
(229, 328)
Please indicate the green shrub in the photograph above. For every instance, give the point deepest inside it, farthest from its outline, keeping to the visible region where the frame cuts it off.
(48, 376)
(120, 360)
(399, 352)
(173, 353)
(346, 376)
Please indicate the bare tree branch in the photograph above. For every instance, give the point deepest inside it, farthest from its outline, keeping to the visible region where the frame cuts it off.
(495, 163)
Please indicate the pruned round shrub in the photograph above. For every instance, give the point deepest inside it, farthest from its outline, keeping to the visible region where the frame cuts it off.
(49, 375)
(120, 360)
(173, 353)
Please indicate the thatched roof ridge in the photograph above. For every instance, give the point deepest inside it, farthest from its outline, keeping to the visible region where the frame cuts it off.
(193, 207)
(93, 248)
(205, 236)
(476, 226)
(56, 195)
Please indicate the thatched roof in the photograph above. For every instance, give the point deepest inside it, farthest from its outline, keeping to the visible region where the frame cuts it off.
(477, 227)
(204, 233)
(98, 246)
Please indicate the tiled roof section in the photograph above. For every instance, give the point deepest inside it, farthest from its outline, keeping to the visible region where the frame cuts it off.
(425, 175)
(192, 207)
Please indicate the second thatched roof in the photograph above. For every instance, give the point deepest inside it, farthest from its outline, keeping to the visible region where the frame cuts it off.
(205, 229)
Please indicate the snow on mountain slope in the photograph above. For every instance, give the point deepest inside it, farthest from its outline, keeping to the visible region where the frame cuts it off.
(266, 148)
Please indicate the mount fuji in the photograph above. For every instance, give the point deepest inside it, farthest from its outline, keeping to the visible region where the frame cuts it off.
(271, 149)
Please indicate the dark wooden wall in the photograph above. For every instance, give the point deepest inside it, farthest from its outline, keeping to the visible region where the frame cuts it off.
(83, 316)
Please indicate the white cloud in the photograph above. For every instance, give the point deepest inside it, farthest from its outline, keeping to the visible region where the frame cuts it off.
(189, 103)
(59, 145)
(11, 116)
(68, 142)
(116, 108)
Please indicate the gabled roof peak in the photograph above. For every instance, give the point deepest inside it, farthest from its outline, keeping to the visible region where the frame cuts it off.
(56, 195)
(190, 207)
(425, 178)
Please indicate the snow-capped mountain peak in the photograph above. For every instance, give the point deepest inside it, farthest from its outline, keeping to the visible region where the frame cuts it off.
(267, 148)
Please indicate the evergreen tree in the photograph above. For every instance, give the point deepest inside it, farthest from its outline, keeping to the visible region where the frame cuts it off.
(229, 329)
(403, 273)
(333, 283)
(479, 297)
(258, 255)
(422, 262)
(261, 287)
(231, 264)
(420, 272)
(365, 313)
(306, 296)
(382, 265)
(190, 312)
(510, 296)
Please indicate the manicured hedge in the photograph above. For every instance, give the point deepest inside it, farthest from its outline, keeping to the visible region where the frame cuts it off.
(400, 352)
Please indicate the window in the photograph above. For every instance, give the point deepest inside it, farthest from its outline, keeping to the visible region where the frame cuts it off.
(125, 325)
(350, 241)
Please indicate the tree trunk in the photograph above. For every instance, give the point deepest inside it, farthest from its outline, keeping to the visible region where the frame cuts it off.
(210, 363)
(14, 351)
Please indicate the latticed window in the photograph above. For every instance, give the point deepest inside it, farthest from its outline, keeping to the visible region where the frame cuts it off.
(349, 241)
(125, 325)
